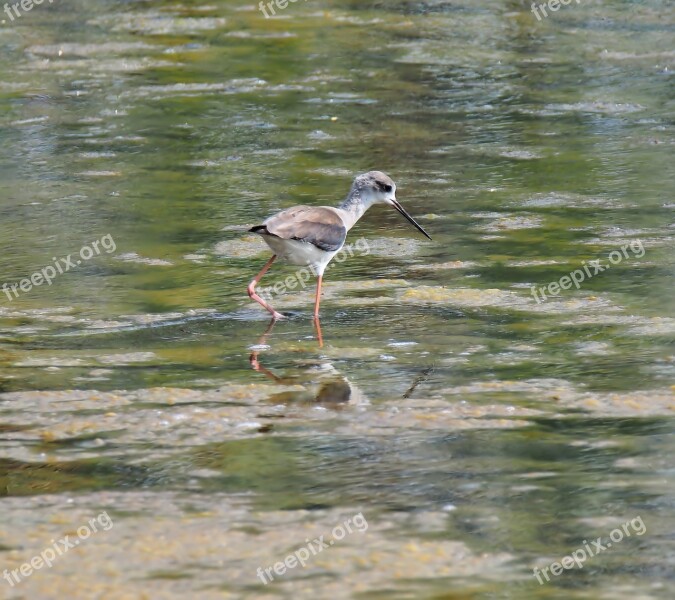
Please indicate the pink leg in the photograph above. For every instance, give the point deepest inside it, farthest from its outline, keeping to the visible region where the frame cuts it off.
(317, 323)
(258, 299)
(318, 297)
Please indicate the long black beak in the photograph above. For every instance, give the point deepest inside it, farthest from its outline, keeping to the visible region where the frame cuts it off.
(403, 211)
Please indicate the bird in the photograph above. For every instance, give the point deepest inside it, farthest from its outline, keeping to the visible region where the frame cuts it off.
(310, 236)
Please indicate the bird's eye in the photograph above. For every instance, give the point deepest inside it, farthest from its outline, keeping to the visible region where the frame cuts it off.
(386, 187)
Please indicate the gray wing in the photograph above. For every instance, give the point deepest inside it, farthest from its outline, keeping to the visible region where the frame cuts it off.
(316, 225)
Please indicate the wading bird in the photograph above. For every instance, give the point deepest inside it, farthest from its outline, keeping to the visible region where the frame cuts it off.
(311, 236)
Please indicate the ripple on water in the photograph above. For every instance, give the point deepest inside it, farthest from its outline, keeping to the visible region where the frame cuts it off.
(565, 199)
(234, 86)
(133, 257)
(77, 67)
(247, 246)
(398, 246)
(560, 395)
(504, 299)
(156, 23)
(453, 264)
(70, 49)
(512, 222)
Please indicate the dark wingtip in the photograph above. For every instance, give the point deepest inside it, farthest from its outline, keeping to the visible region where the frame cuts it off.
(258, 229)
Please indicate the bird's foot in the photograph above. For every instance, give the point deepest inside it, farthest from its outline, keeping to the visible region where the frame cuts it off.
(277, 315)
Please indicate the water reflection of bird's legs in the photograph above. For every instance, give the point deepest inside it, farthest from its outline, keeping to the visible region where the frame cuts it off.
(325, 386)
(253, 359)
(255, 363)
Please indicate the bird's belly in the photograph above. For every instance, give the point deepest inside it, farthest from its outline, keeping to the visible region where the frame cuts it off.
(302, 254)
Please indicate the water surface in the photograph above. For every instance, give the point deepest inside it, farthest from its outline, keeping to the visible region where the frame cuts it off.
(480, 433)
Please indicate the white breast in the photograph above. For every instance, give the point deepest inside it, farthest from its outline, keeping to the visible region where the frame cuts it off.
(300, 253)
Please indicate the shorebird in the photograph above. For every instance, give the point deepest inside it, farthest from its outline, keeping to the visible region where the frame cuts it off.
(310, 236)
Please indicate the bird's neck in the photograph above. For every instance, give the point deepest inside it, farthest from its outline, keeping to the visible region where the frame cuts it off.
(353, 207)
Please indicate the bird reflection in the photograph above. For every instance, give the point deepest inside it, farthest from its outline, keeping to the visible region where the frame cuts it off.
(323, 384)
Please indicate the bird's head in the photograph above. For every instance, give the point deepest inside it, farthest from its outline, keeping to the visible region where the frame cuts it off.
(376, 187)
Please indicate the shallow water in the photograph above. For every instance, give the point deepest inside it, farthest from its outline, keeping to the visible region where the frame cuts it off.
(478, 432)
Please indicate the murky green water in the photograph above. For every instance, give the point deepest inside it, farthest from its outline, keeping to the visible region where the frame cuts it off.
(479, 433)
